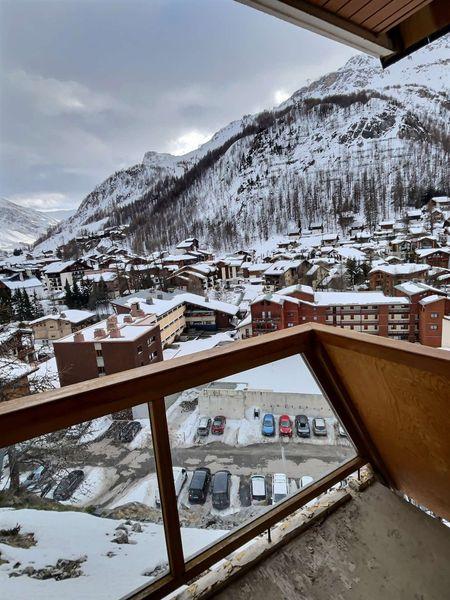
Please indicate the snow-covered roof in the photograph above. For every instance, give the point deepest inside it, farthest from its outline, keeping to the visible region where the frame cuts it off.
(106, 276)
(356, 299)
(72, 315)
(401, 269)
(414, 287)
(423, 252)
(128, 331)
(192, 346)
(441, 199)
(306, 289)
(281, 266)
(337, 299)
(224, 307)
(245, 322)
(158, 307)
(351, 252)
(11, 370)
(32, 282)
(431, 299)
(58, 267)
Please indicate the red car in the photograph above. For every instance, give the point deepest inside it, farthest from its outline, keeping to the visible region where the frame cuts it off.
(285, 425)
(218, 425)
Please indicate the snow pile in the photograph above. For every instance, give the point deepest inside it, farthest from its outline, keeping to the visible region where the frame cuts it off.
(109, 570)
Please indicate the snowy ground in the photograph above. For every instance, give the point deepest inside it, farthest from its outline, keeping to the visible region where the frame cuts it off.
(110, 570)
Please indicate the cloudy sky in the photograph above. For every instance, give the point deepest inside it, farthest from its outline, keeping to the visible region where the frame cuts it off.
(88, 86)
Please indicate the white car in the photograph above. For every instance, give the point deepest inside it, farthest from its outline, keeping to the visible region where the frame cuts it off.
(179, 479)
(258, 488)
(306, 480)
(280, 487)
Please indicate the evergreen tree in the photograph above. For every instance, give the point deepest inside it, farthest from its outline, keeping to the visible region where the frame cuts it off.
(17, 305)
(76, 296)
(36, 304)
(27, 309)
(68, 298)
(5, 308)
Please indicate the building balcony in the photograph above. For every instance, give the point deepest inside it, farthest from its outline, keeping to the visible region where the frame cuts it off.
(363, 377)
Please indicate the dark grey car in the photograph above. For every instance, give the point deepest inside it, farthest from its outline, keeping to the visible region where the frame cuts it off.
(302, 426)
(221, 490)
(68, 485)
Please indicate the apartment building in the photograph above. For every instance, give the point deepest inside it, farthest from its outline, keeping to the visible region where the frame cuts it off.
(282, 273)
(179, 312)
(54, 327)
(119, 343)
(57, 274)
(368, 312)
(386, 277)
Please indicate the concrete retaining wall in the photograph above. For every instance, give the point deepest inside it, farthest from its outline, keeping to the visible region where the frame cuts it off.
(234, 403)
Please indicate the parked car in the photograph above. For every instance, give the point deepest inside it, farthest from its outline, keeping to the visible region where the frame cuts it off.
(68, 485)
(280, 487)
(218, 425)
(285, 426)
(306, 480)
(199, 486)
(179, 479)
(258, 488)
(221, 489)
(268, 425)
(204, 425)
(34, 477)
(319, 426)
(128, 432)
(302, 426)
(341, 431)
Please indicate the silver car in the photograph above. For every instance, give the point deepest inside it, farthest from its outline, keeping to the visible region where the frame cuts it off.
(204, 426)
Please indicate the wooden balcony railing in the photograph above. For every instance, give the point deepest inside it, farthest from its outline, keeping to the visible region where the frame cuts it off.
(392, 397)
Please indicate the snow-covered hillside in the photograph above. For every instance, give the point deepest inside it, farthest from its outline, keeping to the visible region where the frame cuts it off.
(360, 139)
(21, 226)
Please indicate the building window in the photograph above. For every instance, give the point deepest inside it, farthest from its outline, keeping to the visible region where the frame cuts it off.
(290, 324)
(433, 327)
(101, 371)
(139, 349)
(99, 353)
(434, 315)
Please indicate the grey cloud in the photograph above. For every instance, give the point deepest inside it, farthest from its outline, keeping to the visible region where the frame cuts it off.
(89, 87)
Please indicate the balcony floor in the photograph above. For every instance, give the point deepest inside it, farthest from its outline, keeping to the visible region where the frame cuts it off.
(376, 546)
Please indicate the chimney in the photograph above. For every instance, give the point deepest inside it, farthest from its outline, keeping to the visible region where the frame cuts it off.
(115, 333)
(111, 322)
(140, 313)
(99, 333)
(63, 315)
(150, 300)
(78, 336)
(134, 309)
(128, 319)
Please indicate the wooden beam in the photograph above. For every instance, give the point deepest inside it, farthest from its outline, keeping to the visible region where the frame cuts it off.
(319, 20)
(336, 394)
(420, 28)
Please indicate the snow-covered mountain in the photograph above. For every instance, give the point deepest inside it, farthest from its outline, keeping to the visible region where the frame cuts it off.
(359, 139)
(21, 226)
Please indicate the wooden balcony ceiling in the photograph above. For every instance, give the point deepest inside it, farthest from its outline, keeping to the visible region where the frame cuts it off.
(389, 29)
